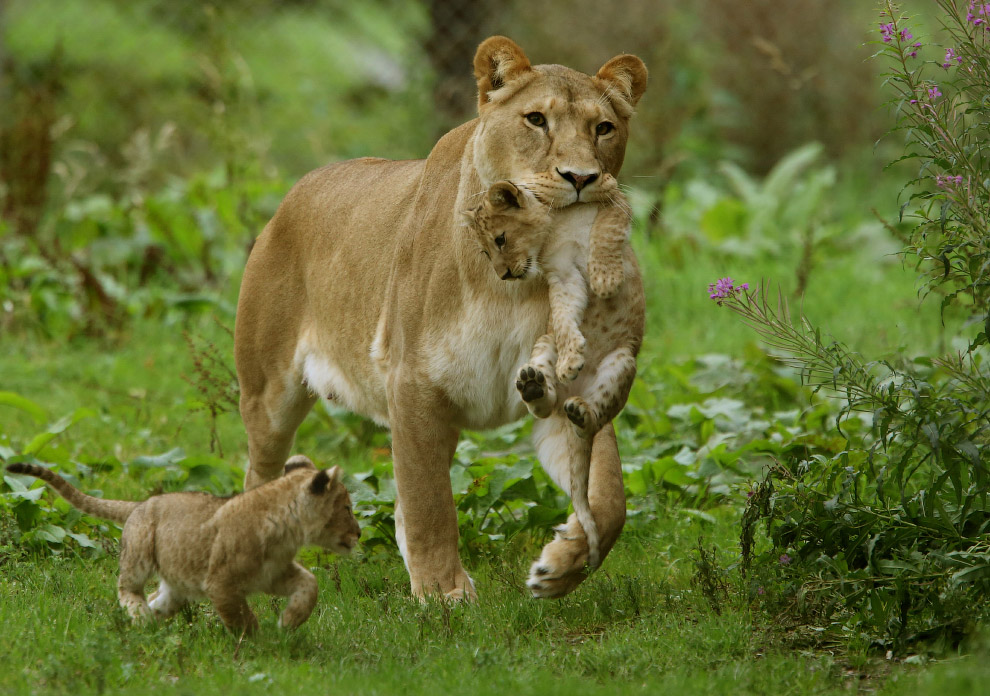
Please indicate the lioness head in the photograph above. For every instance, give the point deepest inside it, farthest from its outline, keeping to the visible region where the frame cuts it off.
(325, 509)
(551, 120)
(510, 226)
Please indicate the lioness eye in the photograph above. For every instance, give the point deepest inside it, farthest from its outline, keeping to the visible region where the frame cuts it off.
(500, 240)
(537, 119)
(604, 128)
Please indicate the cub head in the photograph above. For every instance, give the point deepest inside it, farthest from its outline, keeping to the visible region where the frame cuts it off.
(510, 225)
(551, 120)
(325, 509)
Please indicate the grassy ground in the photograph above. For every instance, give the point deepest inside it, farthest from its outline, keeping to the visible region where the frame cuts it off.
(639, 625)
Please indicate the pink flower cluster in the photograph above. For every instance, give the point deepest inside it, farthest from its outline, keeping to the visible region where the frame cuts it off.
(979, 14)
(933, 94)
(723, 289)
(905, 36)
(947, 181)
(951, 55)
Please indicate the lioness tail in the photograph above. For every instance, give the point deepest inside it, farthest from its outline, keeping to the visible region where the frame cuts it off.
(115, 510)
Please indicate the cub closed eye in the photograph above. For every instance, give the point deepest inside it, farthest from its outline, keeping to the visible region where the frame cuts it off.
(500, 240)
(537, 119)
(604, 128)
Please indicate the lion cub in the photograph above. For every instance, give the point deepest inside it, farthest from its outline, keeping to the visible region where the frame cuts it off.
(224, 549)
(516, 230)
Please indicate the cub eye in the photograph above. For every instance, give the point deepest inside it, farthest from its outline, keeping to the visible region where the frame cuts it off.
(604, 128)
(537, 119)
(500, 240)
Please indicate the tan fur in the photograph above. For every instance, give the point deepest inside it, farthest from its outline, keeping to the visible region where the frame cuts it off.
(366, 290)
(224, 549)
(511, 223)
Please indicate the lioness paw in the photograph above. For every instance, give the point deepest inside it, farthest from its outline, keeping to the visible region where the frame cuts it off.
(562, 566)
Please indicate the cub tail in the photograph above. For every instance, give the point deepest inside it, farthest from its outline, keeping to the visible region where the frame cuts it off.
(114, 510)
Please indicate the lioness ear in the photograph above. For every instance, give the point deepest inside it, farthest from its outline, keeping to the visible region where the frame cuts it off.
(624, 76)
(498, 60)
(505, 194)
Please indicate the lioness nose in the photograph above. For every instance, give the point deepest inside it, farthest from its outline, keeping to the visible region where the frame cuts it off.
(579, 181)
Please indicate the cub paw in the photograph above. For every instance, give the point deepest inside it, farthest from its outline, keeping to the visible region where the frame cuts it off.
(569, 365)
(531, 383)
(605, 279)
(579, 413)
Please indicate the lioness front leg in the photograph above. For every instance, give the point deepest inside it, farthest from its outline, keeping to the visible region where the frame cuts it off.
(562, 564)
(423, 445)
(536, 381)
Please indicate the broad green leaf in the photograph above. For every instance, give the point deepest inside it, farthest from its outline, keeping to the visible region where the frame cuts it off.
(36, 411)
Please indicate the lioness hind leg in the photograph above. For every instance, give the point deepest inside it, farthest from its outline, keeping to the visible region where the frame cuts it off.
(562, 564)
(271, 415)
(536, 382)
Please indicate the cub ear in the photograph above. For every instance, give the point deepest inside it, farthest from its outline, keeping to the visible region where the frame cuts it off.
(505, 194)
(624, 76)
(297, 462)
(497, 61)
(323, 480)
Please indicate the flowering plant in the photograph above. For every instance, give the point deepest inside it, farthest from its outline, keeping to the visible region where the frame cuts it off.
(890, 533)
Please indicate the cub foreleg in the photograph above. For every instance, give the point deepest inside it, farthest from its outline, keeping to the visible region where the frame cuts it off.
(536, 380)
(606, 250)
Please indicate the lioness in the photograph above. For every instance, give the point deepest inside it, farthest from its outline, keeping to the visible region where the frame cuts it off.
(365, 290)
(511, 222)
(223, 549)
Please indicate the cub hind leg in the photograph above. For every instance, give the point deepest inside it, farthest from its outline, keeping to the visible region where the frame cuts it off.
(137, 565)
(607, 394)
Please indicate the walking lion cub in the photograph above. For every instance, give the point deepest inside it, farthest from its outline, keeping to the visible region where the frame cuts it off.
(224, 549)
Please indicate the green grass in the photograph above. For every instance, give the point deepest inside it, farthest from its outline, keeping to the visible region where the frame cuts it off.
(639, 625)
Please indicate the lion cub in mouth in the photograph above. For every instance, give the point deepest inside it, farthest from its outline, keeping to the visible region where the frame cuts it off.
(224, 549)
(516, 229)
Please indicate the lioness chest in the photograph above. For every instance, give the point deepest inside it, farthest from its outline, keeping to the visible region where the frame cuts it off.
(474, 359)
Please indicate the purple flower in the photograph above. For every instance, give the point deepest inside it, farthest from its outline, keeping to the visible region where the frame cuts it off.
(947, 181)
(933, 93)
(887, 32)
(760, 590)
(906, 35)
(951, 55)
(724, 288)
(784, 559)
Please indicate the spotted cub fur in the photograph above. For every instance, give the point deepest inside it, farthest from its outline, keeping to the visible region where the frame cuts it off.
(223, 549)
(523, 237)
